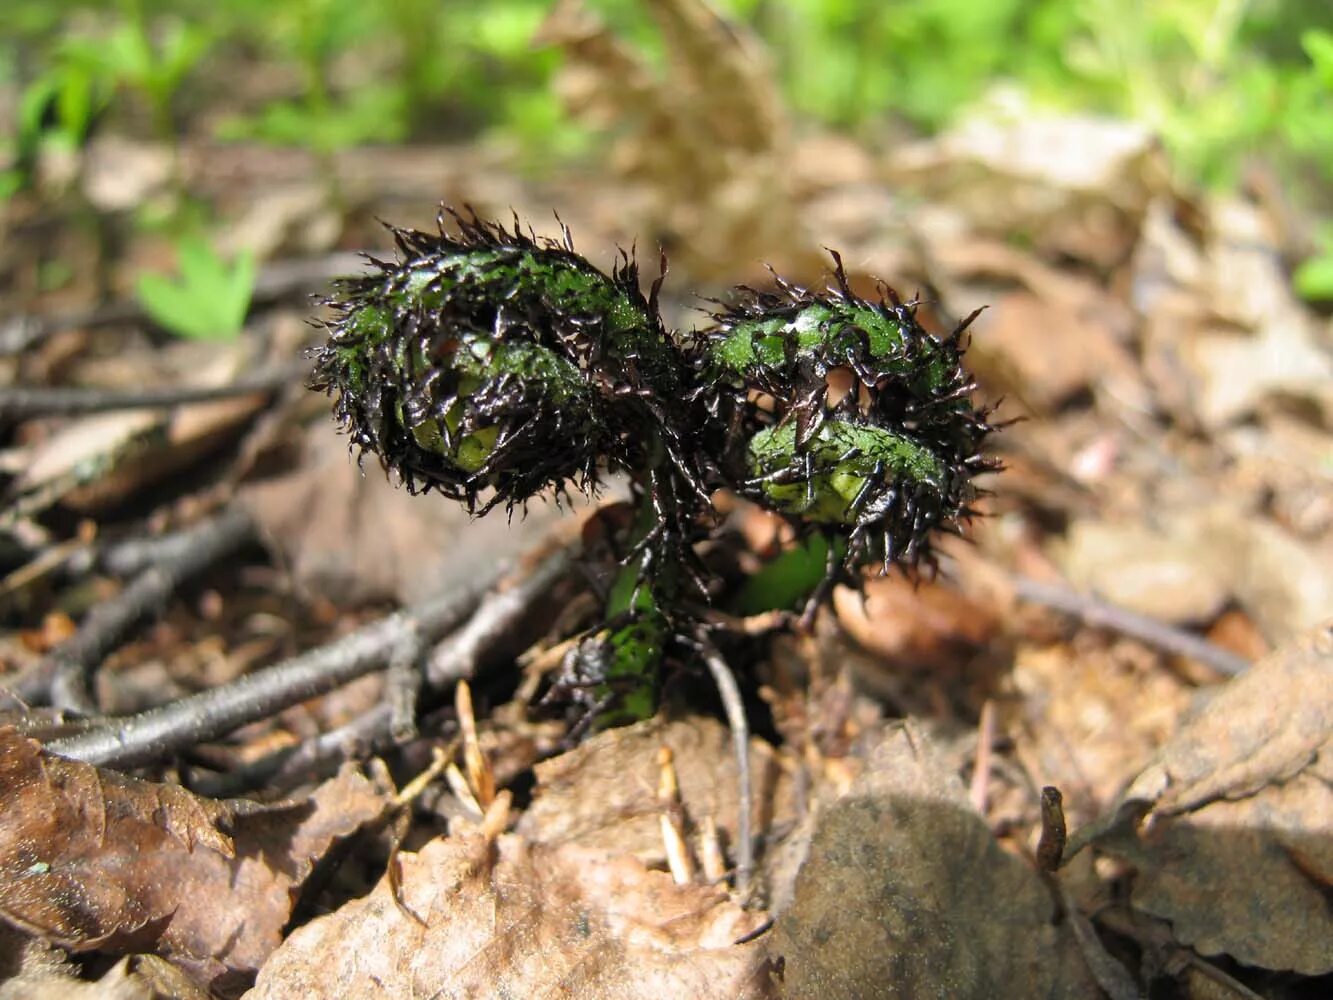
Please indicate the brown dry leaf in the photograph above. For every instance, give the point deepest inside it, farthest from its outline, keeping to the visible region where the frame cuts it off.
(1237, 853)
(482, 919)
(1223, 330)
(349, 534)
(905, 893)
(1169, 573)
(1047, 340)
(1284, 582)
(706, 139)
(185, 436)
(603, 794)
(1084, 717)
(81, 450)
(120, 174)
(1264, 727)
(1249, 879)
(1232, 374)
(117, 983)
(1077, 185)
(92, 859)
(959, 255)
(28, 974)
(1197, 558)
(295, 219)
(1292, 461)
(1043, 352)
(68, 826)
(914, 624)
(92, 462)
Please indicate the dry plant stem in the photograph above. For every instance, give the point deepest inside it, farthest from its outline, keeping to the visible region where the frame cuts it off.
(1051, 849)
(480, 777)
(985, 752)
(710, 852)
(65, 675)
(134, 555)
(1100, 614)
(671, 820)
(131, 555)
(439, 760)
(1114, 979)
(740, 737)
(65, 553)
(369, 733)
(1174, 959)
(18, 402)
(171, 728)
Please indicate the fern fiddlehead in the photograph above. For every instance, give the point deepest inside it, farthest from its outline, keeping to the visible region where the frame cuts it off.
(491, 366)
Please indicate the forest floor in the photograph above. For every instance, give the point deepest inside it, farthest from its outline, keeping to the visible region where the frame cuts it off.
(1133, 644)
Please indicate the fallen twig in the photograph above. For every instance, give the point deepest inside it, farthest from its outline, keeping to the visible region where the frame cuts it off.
(149, 735)
(402, 685)
(977, 792)
(64, 676)
(35, 401)
(170, 728)
(311, 759)
(1092, 611)
(456, 658)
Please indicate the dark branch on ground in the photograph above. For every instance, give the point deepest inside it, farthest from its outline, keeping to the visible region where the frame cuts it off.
(64, 676)
(456, 658)
(171, 728)
(18, 402)
(278, 280)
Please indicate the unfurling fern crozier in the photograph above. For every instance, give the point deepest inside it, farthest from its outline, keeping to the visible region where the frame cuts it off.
(492, 366)
(846, 418)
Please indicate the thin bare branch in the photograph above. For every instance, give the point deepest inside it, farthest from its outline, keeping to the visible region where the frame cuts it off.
(65, 675)
(207, 715)
(17, 402)
(1100, 614)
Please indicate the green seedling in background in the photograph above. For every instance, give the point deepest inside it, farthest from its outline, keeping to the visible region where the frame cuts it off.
(1310, 124)
(1314, 278)
(149, 59)
(56, 109)
(210, 299)
(1217, 80)
(314, 34)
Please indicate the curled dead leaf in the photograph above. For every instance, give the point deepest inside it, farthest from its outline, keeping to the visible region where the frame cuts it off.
(1236, 852)
(915, 624)
(92, 859)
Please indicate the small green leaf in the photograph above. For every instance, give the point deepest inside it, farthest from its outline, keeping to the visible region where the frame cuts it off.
(1318, 46)
(32, 106)
(1314, 278)
(211, 298)
(11, 182)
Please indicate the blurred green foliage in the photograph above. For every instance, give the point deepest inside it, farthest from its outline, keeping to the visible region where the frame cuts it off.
(209, 299)
(1222, 80)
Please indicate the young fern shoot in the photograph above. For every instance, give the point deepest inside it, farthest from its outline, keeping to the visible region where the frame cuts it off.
(492, 366)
